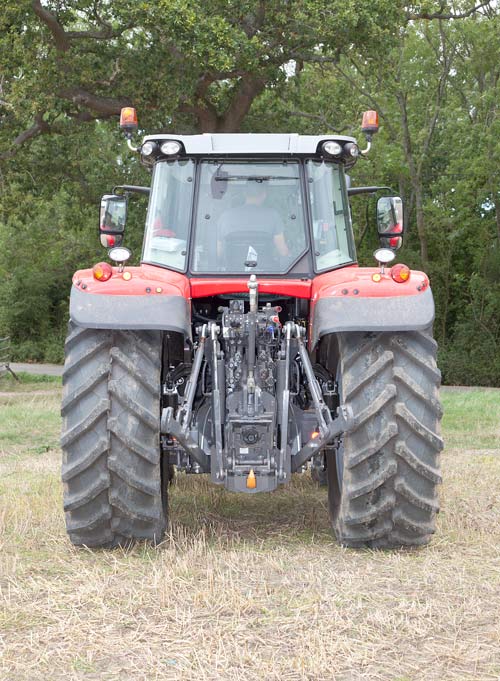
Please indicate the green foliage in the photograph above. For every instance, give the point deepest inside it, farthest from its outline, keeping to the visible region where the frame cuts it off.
(277, 66)
(48, 229)
(24, 379)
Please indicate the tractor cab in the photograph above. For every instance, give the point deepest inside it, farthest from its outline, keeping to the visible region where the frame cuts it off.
(234, 204)
(273, 216)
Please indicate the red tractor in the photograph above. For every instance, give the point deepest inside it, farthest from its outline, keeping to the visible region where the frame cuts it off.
(249, 345)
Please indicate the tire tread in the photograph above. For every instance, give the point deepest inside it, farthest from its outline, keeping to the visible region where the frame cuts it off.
(388, 496)
(113, 491)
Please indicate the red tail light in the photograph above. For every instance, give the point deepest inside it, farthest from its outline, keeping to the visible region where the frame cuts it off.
(102, 271)
(400, 273)
(395, 241)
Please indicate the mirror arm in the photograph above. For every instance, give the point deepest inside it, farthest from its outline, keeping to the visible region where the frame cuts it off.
(352, 191)
(132, 188)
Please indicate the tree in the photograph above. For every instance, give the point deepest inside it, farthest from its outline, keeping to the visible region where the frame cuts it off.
(305, 65)
(196, 65)
(438, 94)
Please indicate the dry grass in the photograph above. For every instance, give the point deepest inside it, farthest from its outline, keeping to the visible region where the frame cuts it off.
(249, 587)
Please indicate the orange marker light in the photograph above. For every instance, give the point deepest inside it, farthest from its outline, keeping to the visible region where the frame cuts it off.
(314, 435)
(127, 276)
(102, 271)
(128, 119)
(370, 122)
(251, 480)
(376, 277)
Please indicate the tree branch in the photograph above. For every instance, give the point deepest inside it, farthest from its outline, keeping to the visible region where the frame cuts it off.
(447, 15)
(317, 117)
(105, 106)
(312, 58)
(39, 127)
(58, 33)
(112, 78)
(369, 98)
(205, 114)
(105, 34)
(252, 28)
(63, 38)
(440, 93)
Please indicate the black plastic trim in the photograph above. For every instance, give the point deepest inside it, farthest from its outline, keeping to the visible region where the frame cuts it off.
(394, 313)
(152, 311)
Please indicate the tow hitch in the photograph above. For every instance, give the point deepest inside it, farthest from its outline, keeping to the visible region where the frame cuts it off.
(248, 432)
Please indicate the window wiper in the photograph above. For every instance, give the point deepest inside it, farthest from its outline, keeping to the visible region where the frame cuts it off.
(255, 178)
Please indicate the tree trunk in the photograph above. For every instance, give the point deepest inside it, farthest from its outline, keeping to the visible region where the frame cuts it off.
(419, 206)
(497, 216)
(243, 96)
(415, 179)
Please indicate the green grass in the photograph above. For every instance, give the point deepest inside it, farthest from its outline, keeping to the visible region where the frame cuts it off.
(247, 587)
(472, 418)
(28, 382)
(15, 422)
(27, 378)
(29, 414)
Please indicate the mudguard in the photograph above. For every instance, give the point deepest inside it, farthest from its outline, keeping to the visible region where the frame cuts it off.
(149, 299)
(351, 300)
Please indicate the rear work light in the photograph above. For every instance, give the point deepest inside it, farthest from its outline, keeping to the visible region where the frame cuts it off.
(149, 149)
(351, 149)
(102, 271)
(400, 273)
(332, 148)
(171, 147)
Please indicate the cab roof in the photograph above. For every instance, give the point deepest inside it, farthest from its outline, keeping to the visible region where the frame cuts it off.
(250, 144)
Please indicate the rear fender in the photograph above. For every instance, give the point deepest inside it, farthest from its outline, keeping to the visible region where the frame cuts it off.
(350, 300)
(144, 297)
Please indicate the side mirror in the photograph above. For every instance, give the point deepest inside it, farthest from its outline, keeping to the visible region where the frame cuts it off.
(390, 224)
(112, 220)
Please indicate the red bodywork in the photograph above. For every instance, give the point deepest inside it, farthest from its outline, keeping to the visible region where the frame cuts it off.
(141, 279)
(348, 281)
(352, 281)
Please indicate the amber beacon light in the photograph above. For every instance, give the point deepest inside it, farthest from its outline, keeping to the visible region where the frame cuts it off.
(370, 122)
(369, 126)
(128, 119)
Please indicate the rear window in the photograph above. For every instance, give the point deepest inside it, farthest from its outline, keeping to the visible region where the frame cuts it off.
(250, 218)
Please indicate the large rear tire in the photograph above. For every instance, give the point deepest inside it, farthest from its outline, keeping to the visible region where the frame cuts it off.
(383, 479)
(114, 492)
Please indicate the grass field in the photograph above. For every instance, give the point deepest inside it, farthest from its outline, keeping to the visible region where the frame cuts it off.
(247, 588)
